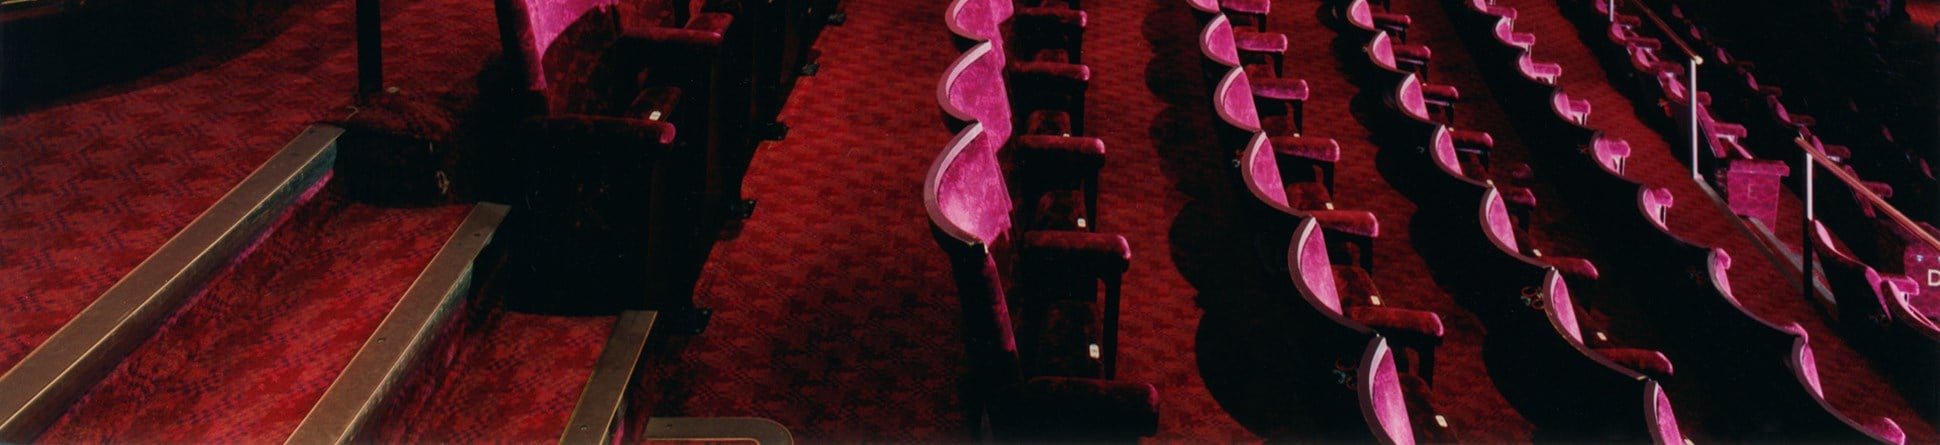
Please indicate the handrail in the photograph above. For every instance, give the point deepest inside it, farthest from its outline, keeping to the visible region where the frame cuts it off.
(1666, 28)
(1853, 182)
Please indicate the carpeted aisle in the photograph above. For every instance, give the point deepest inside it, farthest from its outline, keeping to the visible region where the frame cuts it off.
(1464, 391)
(834, 313)
(247, 358)
(1850, 383)
(90, 188)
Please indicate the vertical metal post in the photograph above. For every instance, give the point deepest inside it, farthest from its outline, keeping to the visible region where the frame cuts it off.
(1691, 96)
(1805, 260)
(370, 49)
(1613, 10)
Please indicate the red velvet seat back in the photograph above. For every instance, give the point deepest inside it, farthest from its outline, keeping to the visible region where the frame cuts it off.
(1383, 402)
(1233, 99)
(969, 210)
(556, 48)
(1441, 150)
(1216, 42)
(1260, 172)
(1313, 270)
(1662, 418)
(973, 90)
(1360, 15)
(1408, 98)
(1561, 308)
(978, 20)
(1380, 49)
(1495, 220)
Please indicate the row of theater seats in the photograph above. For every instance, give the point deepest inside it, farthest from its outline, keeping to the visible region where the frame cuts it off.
(1899, 251)
(1582, 392)
(1015, 98)
(1772, 379)
(1886, 306)
(1366, 365)
(1853, 76)
(638, 125)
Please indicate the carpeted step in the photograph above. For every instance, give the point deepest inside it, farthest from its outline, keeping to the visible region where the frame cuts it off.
(246, 359)
(511, 377)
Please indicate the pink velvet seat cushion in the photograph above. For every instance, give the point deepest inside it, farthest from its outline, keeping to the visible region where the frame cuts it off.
(1649, 362)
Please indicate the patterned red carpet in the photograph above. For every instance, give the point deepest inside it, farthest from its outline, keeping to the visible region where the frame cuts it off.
(1851, 384)
(89, 188)
(514, 379)
(834, 310)
(1463, 390)
(244, 362)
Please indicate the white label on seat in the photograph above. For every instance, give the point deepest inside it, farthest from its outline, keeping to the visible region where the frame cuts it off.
(1441, 421)
(1601, 337)
(1082, 224)
(1376, 299)
(1095, 353)
(654, 116)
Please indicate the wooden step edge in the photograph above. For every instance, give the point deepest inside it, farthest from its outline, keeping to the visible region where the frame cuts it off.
(718, 429)
(596, 417)
(35, 392)
(398, 345)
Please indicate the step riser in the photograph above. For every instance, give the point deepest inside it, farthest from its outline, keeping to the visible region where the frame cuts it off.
(41, 387)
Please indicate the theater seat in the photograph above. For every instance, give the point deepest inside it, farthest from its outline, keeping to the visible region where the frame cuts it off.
(1253, 11)
(1857, 289)
(1542, 72)
(1358, 14)
(1314, 272)
(1489, 7)
(1398, 58)
(967, 200)
(1421, 101)
(1505, 32)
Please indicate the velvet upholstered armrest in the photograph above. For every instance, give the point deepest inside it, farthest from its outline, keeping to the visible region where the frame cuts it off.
(1089, 408)
(602, 129)
(1096, 254)
(1412, 323)
(705, 31)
